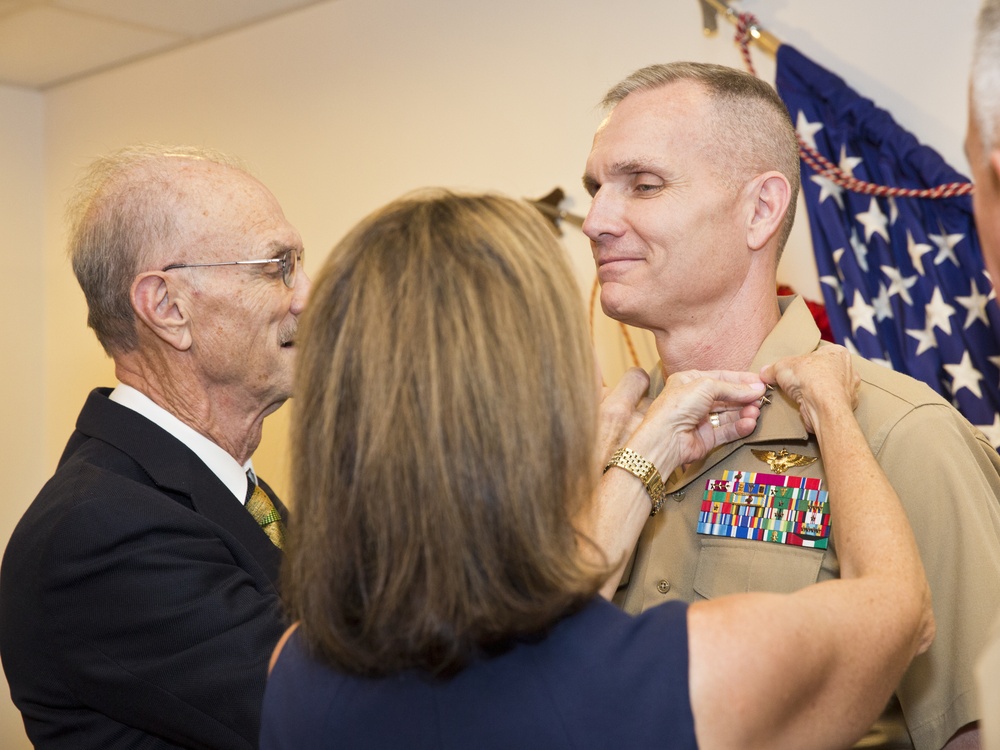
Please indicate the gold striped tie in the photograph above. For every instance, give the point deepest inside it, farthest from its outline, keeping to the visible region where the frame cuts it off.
(265, 514)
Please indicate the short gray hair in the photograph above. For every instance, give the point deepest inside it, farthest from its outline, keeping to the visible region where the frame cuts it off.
(121, 211)
(986, 73)
(751, 121)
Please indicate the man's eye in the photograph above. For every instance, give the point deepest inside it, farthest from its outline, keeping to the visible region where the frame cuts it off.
(647, 188)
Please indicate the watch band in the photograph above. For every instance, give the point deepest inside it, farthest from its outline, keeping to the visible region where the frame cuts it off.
(633, 463)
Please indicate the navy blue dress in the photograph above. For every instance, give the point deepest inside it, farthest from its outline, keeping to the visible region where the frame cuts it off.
(600, 679)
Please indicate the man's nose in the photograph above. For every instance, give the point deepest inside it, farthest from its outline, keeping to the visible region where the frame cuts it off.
(603, 218)
(300, 292)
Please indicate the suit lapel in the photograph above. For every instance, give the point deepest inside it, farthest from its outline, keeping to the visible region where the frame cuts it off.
(177, 470)
(219, 505)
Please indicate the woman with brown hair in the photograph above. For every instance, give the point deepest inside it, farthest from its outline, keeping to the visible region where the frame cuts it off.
(452, 528)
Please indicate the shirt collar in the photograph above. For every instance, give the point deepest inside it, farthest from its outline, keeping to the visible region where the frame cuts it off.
(222, 464)
(795, 333)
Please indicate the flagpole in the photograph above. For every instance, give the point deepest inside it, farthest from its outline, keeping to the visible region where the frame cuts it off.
(709, 10)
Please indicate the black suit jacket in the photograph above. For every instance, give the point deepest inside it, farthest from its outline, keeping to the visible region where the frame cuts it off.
(138, 597)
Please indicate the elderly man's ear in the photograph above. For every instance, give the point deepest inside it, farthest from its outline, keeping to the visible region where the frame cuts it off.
(767, 195)
(164, 310)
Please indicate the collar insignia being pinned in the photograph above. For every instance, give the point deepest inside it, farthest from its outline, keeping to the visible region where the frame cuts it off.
(781, 461)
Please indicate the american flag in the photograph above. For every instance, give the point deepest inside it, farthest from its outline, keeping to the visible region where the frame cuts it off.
(902, 278)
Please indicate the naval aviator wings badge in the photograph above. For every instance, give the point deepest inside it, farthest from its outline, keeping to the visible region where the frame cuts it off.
(766, 507)
(781, 461)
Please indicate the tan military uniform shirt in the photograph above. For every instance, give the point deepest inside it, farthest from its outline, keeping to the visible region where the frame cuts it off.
(945, 472)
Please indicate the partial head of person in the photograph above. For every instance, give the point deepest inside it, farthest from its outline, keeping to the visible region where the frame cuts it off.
(443, 437)
(982, 141)
(694, 175)
(193, 276)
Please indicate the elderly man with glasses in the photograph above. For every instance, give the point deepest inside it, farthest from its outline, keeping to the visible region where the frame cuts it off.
(138, 594)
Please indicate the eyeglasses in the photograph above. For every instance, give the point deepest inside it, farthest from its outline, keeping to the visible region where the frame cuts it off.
(288, 260)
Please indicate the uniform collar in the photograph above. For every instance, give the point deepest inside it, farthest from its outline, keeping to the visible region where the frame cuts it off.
(795, 333)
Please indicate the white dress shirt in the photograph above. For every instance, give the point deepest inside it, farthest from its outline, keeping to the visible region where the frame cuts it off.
(224, 466)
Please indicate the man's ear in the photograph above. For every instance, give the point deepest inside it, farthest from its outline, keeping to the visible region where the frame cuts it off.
(769, 195)
(164, 312)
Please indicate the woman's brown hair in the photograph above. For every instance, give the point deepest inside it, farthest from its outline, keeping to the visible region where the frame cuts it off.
(443, 435)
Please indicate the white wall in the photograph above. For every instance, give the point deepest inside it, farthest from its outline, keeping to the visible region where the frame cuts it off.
(22, 307)
(345, 105)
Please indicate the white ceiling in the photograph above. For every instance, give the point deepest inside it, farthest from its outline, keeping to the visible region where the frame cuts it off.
(47, 42)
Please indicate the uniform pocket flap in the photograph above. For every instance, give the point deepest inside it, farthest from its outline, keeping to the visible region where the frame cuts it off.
(727, 567)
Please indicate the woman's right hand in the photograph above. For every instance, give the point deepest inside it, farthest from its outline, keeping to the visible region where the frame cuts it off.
(819, 381)
(671, 429)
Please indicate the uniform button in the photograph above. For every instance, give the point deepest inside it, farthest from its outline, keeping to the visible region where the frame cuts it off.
(678, 496)
(663, 587)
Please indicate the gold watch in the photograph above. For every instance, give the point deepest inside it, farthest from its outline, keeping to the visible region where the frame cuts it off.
(633, 463)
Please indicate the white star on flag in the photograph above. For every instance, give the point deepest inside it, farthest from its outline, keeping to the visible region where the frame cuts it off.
(881, 303)
(874, 221)
(925, 339)
(862, 314)
(964, 375)
(807, 130)
(992, 431)
(898, 284)
(829, 189)
(848, 163)
(946, 246)
(860, 251)
(939, 312)
(834, 283)
(975, 305)
(837, 255)
(917, 250)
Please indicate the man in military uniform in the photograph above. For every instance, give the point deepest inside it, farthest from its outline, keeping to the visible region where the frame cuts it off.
(694, 175)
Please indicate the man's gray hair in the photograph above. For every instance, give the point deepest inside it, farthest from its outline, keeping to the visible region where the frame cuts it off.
(752, 124)
(986, 74)
(123, 209)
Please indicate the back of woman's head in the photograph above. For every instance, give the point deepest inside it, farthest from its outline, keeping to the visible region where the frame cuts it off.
(443, 427)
